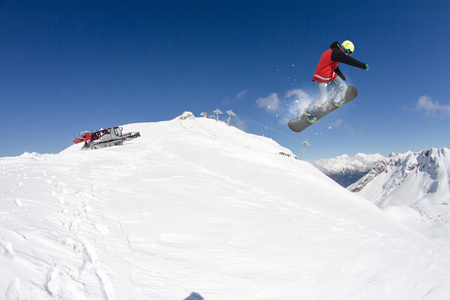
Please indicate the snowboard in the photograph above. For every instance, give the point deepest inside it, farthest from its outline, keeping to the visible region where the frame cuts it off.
(300, 123)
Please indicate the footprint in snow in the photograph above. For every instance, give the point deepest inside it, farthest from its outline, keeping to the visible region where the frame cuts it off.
(8, 250)
(102, 228)
(13, 291)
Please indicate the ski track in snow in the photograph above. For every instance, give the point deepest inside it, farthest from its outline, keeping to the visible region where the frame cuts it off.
(63, 227)
(197, 206)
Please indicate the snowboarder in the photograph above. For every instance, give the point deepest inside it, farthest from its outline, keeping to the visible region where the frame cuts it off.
(328, 73)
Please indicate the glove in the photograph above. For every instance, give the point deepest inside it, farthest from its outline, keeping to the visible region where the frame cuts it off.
(367, 67)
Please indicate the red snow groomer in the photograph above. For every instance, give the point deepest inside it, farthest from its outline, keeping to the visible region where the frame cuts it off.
(104, 137)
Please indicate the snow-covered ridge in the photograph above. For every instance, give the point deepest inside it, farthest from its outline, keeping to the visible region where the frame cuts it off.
(434, 163)
(345, 169)
(194, 205)
(413, 187)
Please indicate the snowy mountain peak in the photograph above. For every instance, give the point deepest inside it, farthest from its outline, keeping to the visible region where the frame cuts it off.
(187, 115)
(346, 169)
(433, 163)
(415, 189)
(347, 164)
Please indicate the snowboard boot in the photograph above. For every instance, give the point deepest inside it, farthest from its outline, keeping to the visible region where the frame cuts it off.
(338, 102)
(310, 118)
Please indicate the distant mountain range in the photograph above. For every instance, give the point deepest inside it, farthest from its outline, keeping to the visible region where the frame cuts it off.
(345, 169)
(416, 180)
(412, 187)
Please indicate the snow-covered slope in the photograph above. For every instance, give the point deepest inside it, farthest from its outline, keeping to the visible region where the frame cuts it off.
(197, 206)
(346, 169)
(415, 188)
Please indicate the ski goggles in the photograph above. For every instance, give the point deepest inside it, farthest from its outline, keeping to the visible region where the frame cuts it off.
(347, 51)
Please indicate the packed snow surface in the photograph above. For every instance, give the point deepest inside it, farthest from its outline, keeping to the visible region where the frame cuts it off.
(194, 205)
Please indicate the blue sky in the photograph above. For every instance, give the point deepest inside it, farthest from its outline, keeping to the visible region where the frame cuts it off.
(69, 66)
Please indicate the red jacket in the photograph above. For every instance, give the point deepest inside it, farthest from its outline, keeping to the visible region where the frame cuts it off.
(327, 69)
